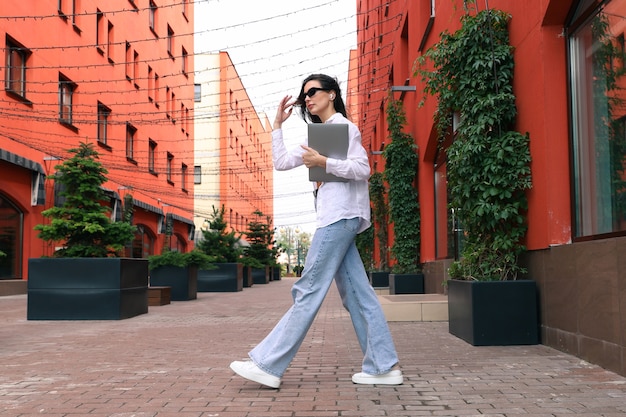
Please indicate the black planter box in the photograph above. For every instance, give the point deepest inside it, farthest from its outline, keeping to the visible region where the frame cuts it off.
(87, 288)
(406, 283)
(247, 277)
(183, 281)
(276, 272)
(379, 279)
(494, 313)
(261, 275)
(226, 277)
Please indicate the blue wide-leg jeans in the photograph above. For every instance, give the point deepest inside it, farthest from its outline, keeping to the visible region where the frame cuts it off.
(333, 254)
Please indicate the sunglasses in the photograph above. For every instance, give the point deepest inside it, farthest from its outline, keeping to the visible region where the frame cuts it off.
(314, 90)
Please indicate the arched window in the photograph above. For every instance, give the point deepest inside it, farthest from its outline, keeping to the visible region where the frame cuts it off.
(11, 230)
(178, 243)
(143, 244)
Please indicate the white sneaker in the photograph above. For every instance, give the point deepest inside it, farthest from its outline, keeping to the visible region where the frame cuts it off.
(390, 378)
(249, 370)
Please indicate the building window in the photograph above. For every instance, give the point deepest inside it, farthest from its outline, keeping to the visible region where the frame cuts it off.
(151, 156)
(167, 102)
(197, 174)
(110, 42)
(63, 10)
(16, 58)
(104, 113)
(136, 68)
(100, 31)
(150, 84)
(181, 117)
(184, 59)
(75, 8)
(131, 132)
(197, 93)
(156, 89)
(128, 61)
(183, 176)
(173, 107)
(66, 95)
(170, 41)
(152, 16)
(168, 167)
(599, 122)
(185, 8)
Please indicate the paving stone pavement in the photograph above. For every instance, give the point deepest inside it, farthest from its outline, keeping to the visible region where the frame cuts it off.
(174, 361)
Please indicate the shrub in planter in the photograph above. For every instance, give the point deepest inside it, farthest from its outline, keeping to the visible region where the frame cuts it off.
(81, 225)
(488, 167)
(225, 248)
(179, 271)
(488, 172)
(261, 253)
(217, 242)
(401, 162)
(75, 289)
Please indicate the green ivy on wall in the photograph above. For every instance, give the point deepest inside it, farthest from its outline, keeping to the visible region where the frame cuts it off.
(488, 163)
(380, 218)
(401, 162)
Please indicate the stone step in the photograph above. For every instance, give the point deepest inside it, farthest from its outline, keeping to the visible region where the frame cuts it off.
(413, 307)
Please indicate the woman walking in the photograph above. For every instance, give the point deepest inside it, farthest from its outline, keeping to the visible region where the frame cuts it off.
(343, 211)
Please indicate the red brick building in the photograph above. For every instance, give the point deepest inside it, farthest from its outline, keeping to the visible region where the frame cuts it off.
(117, 74)
(574, 115)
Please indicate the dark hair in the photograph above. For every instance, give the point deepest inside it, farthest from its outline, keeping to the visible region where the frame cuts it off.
(327, 83)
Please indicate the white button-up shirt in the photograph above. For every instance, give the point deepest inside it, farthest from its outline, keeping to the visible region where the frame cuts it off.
(335, 200)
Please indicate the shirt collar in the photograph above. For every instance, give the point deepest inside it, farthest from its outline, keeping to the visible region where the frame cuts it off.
(333, 117)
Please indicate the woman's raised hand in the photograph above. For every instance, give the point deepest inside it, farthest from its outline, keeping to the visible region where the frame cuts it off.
(285, 108)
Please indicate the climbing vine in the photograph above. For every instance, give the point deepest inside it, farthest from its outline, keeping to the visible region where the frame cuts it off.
(379, 215)
(400, 172)
(488, 163)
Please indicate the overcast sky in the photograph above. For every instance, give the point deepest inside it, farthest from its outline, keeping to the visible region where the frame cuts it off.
(274, 45)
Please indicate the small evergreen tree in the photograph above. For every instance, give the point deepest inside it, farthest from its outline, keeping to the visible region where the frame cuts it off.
(81, 224)
(260, 238)
(217, 242)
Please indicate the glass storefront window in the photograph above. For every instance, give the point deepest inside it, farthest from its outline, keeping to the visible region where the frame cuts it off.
(597, 81)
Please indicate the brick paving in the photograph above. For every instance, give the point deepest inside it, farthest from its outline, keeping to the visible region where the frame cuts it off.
(174, 360)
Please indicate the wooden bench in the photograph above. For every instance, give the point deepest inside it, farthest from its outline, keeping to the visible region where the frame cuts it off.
(159, 296)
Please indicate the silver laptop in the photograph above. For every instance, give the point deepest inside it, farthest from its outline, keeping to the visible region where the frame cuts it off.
(330, 140)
